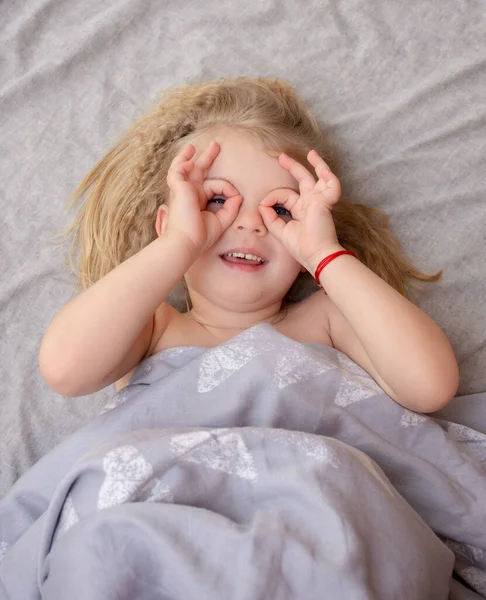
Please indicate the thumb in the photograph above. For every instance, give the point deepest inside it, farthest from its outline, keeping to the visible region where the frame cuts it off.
(273, 222)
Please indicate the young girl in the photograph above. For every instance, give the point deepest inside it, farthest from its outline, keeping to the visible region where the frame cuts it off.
(210, 191)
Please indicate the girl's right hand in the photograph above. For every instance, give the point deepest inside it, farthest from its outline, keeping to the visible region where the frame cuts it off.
(189, 196)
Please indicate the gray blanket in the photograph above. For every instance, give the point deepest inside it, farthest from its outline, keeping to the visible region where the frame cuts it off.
(399, 87)
(263, 469)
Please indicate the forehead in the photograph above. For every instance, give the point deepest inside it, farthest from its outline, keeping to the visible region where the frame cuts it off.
(243, 161)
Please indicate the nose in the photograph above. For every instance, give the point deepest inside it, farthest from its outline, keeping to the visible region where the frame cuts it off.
(251, 220)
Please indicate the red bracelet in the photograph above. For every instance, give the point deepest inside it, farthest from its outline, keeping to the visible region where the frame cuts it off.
(325, 261)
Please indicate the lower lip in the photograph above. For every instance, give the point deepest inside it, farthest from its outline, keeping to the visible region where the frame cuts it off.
(242, 266)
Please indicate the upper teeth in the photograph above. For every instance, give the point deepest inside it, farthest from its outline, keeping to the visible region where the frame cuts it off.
(247, 256)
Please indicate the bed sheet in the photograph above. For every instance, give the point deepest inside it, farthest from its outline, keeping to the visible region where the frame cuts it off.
(401, 90)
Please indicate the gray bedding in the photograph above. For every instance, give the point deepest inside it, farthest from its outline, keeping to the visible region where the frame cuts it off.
(261, 468)
(400, 87)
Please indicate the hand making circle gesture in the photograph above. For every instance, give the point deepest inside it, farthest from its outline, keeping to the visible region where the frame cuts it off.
(189, 195)
(311, 230)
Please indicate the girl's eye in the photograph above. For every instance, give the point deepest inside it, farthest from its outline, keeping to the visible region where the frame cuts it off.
(215, 203)
(280, 210)
(220, 200)
(283, 212)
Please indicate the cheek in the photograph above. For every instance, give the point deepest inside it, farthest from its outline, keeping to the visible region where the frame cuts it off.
(288, 268)
(287, 259)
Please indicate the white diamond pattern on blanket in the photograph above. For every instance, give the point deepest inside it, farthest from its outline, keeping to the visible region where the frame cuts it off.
(118, 398)
(218, 449)
(168, 352)
(154, 491)
(410, 418)
(67, 519)
(476, 441)
(311, 445)
(126, 470)
(220, 362)
(476, 579)
(468, 552)
(3, 550)
(355, 384)
(296, 364)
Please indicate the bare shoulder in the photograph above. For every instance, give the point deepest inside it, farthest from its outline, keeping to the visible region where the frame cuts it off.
(308, 321)
(161, 320)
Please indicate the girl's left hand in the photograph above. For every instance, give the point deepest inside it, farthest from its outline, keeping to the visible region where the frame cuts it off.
(311, 232)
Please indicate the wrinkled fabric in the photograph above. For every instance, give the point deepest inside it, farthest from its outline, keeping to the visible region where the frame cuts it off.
(260, 468)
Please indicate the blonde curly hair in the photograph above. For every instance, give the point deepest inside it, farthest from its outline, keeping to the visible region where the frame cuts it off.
(123, 191)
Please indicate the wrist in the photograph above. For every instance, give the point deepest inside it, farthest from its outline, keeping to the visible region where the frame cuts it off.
(313, 262)
(179, 245)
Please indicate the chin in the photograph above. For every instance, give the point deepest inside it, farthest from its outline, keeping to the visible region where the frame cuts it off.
(243, 293)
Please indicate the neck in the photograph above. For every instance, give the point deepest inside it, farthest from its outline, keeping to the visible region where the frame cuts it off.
(221, 318)
(272, 320)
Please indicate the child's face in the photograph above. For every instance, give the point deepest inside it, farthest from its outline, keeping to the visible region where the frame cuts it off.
(244, 163)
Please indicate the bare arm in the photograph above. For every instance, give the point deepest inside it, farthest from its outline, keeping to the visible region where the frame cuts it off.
(90, 337)
(406, 352)
(389, 336)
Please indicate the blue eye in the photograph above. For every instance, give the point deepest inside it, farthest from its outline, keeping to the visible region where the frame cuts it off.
(281, 211)
(219, 200)
(215, 203)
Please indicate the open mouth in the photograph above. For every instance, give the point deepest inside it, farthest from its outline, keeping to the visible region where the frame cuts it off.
(245, 262)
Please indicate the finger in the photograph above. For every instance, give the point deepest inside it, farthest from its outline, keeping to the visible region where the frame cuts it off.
(299, 172)
(179, 172)
(206, 159)
(273, 222)
(329, 186)
(212, 187)
(227, 214)
(285, 197)
(183, 155)
(317, 162)
(289, 199)
(203, 162)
